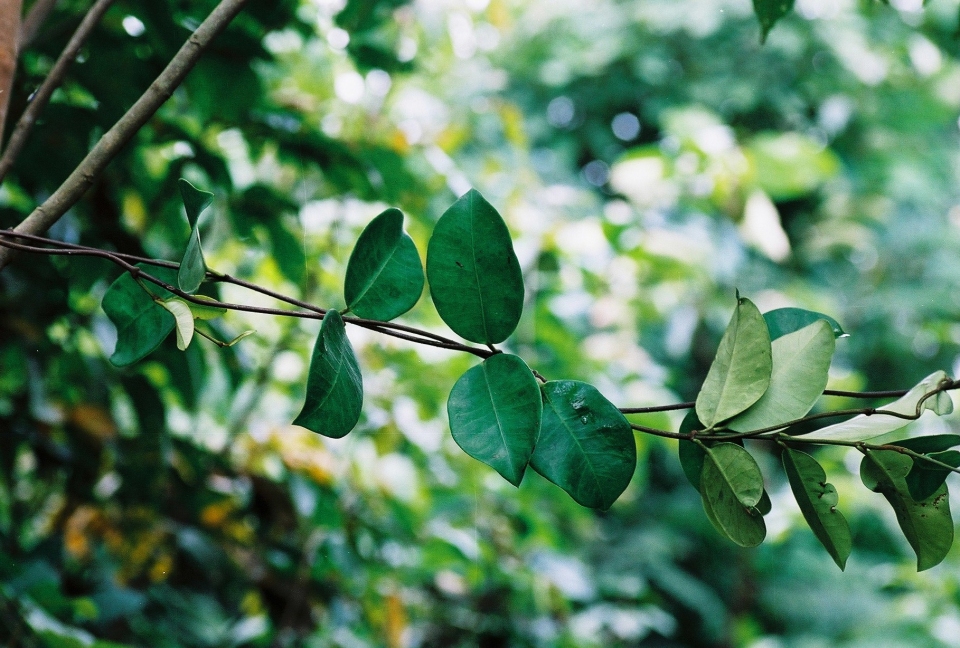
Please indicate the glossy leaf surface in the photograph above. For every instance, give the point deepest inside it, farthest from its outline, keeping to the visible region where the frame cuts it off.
(384, 276)
(731, 487)
(801, 362)
(141, 323)
(782, 321)
(818, 503)
(927, 524)
(862, 427)
(193, 268)
(495, 412)
(474, 274)
(740, 372)
(586, 446)
(334, 384)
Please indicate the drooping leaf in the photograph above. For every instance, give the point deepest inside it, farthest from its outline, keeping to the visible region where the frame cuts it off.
(740, 372)
(384, 276)
(334, 384)
(863, 427)
(782, 321)
(801, 362)
(495, 412)
(474, 274)
(769, 12)
(927, 524)
(731, 487)
(193, 268)
(818, 503)
(183, 318)
(586, 446)
(141, 323)
(925, 478)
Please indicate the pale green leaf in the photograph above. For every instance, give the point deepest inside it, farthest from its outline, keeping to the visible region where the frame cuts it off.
(183, 317)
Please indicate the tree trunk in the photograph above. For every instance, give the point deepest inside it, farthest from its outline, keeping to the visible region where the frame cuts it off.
(9, 38)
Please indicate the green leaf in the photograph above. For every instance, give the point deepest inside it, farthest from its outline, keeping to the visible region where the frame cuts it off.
(183, 318)
(474, 275)
(782, 321)
(926, 524)
(384, 276)
(246, 333)
(731, 487)
(769, 12)
(818, 503)
(740, 373)
(925, 478)
(141, 323)
(204, 312)
(862, 428)
(586, 446)
(495, 412)
(334, 384)
(801, 362)
(193, 268)
(691, 454)
(929, 443)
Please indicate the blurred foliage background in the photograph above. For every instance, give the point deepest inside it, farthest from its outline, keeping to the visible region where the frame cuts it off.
(650, 157)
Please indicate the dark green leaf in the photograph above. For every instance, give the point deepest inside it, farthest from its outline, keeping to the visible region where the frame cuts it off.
(801, 361)
(691, 454)
(818, 503)
(193, 268)
(925, 478)
(740, 372)
(929, 443)
(495, 412)
(769, 12)
(586, 446)
(474, 275)
(384, 276)
(287, 251)
(334, 384)
(926, 524)
(141, 323)
(782, 321)
(731, 488)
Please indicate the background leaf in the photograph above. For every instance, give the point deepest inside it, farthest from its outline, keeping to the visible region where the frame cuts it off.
(801, 362)
(586, 446)
(927, 524)
(818, 503)
(334, 385)
(474, 274)
(141, 323)
(495, 412)
(782, 321)
(769, 12)
(740, 372)
(384, 276)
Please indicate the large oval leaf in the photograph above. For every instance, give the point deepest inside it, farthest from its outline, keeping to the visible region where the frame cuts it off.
(782, 321)
(384, 276)
(193, 268)
(927, 524)
(586, 446)
(334, 384)
(141, 323)
(740, 372)
(731, 487)
(475, 278)
(495, 411)
(862, 428)
(801, 362)
(818, 503)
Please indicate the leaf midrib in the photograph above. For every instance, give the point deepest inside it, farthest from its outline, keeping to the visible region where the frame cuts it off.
(563, 423)
(380, 269)
(496, 415)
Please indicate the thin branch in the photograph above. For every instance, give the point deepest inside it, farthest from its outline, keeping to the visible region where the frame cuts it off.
(863, 446)
(657, 408)
(9, 38)
(123, 131)
(892, 393)
(40, 98)
(36, 16)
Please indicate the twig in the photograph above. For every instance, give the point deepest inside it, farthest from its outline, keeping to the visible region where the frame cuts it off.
(9, 37)
(30, 26)
(113, 140)
(40, 98)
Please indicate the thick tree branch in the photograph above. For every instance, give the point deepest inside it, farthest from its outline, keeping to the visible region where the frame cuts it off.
(123, 131)
(51, 83)
(9, 37)
(34, 19)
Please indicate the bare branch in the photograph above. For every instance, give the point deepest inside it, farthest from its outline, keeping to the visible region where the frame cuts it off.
(34, 19)
(9, 37)
(51, 83)
(132, 121)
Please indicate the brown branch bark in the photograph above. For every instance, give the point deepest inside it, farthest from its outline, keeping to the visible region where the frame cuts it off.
(123, 131)
(51, 83)
(36, 16)
(9, 38)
